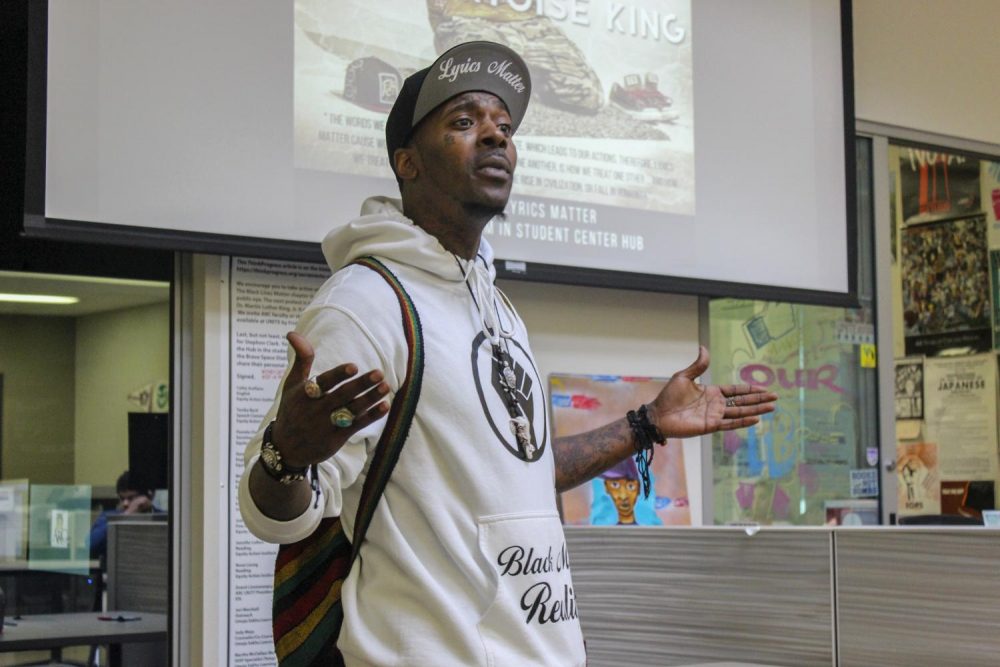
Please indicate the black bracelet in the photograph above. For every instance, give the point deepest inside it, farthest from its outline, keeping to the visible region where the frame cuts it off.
(280, 471)
(652, 432)
(640, 438)
(644, 435)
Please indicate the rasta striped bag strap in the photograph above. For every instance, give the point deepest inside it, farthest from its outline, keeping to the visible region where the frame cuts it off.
(307, 613)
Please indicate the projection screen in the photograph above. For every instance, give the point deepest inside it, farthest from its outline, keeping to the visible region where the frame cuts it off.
(691, 146)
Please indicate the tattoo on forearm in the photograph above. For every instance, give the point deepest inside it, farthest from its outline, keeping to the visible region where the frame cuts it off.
(582, 457)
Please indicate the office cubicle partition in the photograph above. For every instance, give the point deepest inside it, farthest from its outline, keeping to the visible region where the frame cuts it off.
(138, 578)
(918, 597)
(661, 596)
(789, 597)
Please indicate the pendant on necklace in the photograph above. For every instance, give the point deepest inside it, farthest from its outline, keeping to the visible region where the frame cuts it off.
(508, 375)
(522, 432)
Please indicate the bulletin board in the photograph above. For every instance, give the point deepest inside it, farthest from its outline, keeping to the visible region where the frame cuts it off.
(945, 214)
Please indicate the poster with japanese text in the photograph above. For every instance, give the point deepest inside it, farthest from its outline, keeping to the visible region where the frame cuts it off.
(961, 414)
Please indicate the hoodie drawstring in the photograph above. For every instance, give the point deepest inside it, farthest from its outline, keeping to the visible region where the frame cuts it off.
(484, 293)
(489, 304)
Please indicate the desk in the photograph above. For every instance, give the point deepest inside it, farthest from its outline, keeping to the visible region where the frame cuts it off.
(62, 566)
(53, 632)
(50, 587)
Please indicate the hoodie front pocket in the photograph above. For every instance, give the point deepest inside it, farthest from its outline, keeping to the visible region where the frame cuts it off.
(533, 616)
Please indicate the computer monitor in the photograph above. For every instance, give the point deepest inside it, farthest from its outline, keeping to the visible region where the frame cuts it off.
(147, 449)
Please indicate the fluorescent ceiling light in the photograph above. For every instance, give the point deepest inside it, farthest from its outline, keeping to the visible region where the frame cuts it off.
(38, 298)
(82, 279)
(956, 352)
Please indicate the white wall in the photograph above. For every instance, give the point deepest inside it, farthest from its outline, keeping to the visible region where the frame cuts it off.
(613, 332)
(929, 65)
(606, 331)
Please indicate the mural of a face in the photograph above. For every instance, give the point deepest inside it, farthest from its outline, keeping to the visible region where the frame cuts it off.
(624, 492)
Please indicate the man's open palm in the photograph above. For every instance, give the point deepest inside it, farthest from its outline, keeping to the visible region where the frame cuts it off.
(684, 408)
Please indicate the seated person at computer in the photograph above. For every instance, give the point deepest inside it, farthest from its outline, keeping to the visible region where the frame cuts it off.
(131, 500)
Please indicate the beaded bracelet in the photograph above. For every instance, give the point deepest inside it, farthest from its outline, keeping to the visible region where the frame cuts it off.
(644, 435)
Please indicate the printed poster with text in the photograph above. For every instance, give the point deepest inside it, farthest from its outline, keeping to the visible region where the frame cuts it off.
(788, 468)
(918, 484)
(910, 388)
(968, 497)
(935, 185)
(265, 299)
(610, 125)
(944, 252)
(961, 415)
(584, 402)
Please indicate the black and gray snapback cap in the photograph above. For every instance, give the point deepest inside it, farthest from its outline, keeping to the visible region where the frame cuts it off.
(486, 66)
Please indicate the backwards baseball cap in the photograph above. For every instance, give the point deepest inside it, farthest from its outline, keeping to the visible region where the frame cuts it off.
(472, 66)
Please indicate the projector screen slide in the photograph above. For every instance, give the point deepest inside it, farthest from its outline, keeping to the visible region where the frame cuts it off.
(626, 144)
(695, 146)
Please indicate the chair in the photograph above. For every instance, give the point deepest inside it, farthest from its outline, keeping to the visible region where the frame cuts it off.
(138, 577)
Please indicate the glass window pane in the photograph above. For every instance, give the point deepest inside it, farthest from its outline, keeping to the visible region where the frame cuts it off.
(59, 528)
(809, 462)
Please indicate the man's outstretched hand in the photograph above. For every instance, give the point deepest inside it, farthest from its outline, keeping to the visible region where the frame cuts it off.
(303, 430)
(684, 409)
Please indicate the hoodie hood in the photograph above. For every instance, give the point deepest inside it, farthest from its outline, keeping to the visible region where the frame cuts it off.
(383, 231)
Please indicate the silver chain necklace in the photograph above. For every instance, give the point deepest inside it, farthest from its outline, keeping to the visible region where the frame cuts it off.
(520, 428)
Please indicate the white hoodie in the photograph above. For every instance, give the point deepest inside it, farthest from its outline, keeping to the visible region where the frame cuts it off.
(465, 560)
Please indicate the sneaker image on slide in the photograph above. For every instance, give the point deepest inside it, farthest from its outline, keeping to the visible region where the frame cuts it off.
(372, 83)
(654, 97)
(636, 99)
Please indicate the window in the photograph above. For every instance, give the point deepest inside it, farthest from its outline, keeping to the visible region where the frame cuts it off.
(84, 396)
